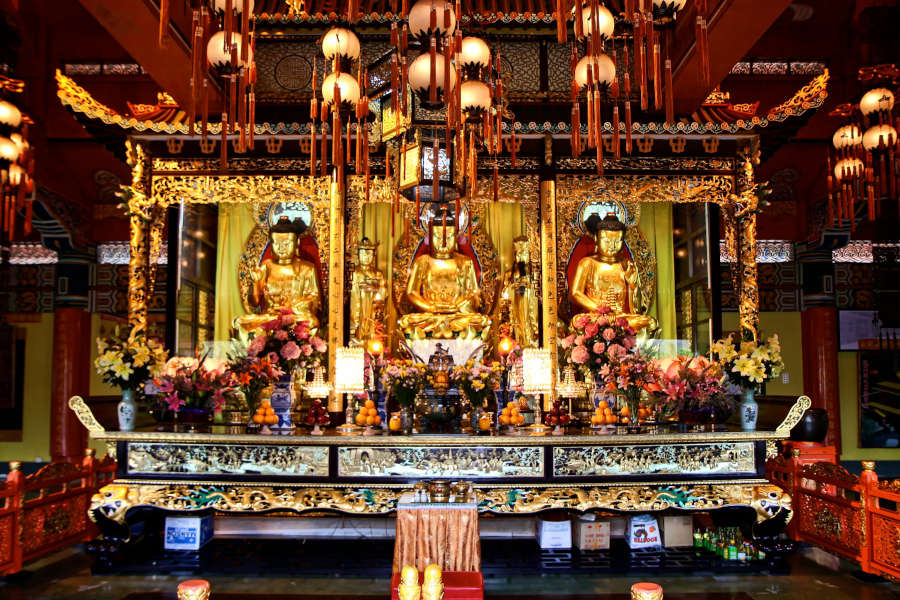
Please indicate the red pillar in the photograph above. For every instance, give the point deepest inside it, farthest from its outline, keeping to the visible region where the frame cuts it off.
(820, 366)
(71, 377)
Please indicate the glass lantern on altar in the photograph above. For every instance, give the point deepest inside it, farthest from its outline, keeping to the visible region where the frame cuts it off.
(537, 379)
(349, 378)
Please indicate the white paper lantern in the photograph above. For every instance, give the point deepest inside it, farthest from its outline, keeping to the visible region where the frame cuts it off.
(606, 24)
(879, 99)
(346, 83)
(420, 74)
(878, 134)
(846, 136)
(607, 70)
(474, 52)
(474, 95)
(537, 371)
(8, 149)
(420, 18)
(9, 114)
(340, 42)
(849, 168)
(220, 56)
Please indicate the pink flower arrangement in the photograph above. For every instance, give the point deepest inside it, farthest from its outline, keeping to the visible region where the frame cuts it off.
(597, 340)
(691, 383)
(288, 343)
(193, 382)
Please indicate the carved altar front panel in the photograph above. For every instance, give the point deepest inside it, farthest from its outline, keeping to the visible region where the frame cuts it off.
(146, 458)
(468, 461)
(686, 459)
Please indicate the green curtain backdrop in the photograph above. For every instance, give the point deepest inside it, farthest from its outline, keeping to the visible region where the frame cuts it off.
(236, 222)
(656, 225)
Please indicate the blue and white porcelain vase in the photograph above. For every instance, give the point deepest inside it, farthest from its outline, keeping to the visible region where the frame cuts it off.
(749, 410)
(126, 410)
(282, 401)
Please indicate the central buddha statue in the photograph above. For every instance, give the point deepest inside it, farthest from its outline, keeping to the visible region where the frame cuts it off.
(609, 277)
(283, 281)
(443, 289)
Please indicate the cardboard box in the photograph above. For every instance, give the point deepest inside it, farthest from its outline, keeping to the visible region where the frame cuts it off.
(555, 534)
(678, 531)
(188, 533)
(592, 535)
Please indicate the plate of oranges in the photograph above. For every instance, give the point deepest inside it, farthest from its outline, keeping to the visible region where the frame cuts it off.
(603, 415)
(265, 415)
(368, 415)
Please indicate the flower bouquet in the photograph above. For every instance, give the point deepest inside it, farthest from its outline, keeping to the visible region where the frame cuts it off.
(288, 343)
(252, 375)
(477, 380)
(629, 373)
(128, 363)
(598, 340)
(192, 386)
(750, 363)
(691, 388)
(403, 379)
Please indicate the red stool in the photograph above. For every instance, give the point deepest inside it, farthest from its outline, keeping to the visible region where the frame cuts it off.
(458, 585)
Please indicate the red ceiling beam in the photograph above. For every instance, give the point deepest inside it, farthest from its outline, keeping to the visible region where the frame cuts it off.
(134, 24)
(734, 28)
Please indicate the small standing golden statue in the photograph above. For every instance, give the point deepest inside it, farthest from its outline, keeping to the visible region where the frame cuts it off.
(367, 293)
(443, 289)
(609, 277)
(283, 281)
(433, 586)
(409, 588)
(519, 296)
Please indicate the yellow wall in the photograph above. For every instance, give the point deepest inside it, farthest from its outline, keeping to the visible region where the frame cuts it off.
(35, 444)
(849, 397)
(787, 326)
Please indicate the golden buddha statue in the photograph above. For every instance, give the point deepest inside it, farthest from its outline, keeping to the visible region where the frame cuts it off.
(609, 277)
(283, 281)
(519, 297)
(367, 293)
(444, 290)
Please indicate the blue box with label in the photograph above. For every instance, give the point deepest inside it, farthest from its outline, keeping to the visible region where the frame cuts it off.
(188, 533)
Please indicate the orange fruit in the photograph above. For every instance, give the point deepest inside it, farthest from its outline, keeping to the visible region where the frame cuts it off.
(602, 404)
(258, 419)
(504, 419)
(511, 404)
(610, 419)
(373, 412)
(370, 404)
(514, 413)
(265, 403)
(394, 424)
(520, 419)
(377, 419)
(272, 419)
(624, 412)
(484, 423)
(505, 411)
(360, 418)
(370, 420)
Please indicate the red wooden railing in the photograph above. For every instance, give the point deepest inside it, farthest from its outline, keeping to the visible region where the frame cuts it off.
(855, 517)
(48, 510)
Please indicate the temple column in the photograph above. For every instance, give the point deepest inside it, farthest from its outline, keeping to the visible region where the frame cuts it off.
(71, 354)
(820, 339)
(335, 288)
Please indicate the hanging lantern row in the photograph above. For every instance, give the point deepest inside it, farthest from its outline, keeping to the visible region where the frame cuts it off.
(344, 98)
(864, 164)
(648, 29)
(16, 163)
(222, 45)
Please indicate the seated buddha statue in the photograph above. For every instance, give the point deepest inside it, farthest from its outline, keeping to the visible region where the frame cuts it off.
(609, 277)
(367, 293)
(443, 289)
(283, 281)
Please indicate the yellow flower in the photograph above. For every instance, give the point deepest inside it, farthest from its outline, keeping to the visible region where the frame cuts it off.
(141, 356)
(749, 368)
(122, 370)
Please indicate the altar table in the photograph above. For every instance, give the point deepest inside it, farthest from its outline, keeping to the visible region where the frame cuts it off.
(445, 534)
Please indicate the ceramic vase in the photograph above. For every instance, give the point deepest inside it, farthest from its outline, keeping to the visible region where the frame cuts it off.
(126, 410)
(282, 401)
(749, 410)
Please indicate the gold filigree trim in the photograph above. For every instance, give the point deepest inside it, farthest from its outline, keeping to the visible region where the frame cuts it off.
(794, 415)
(84, 414)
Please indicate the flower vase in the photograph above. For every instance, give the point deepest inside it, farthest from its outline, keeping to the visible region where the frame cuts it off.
(749, 410)
(282, 402)
(406, 419)
(126, 410)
